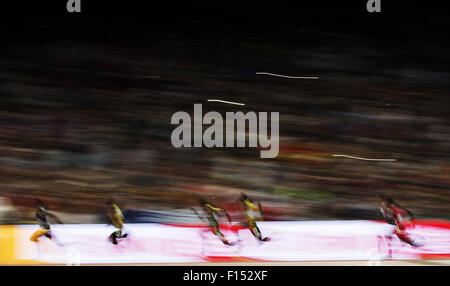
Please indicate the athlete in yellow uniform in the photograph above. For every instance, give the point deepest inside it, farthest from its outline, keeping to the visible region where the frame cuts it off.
(251, 209)
(210, 213)
(117, 218)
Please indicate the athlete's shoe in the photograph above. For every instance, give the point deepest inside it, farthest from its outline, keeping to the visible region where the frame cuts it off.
(416, 244)
(226, 242)
(113, 239)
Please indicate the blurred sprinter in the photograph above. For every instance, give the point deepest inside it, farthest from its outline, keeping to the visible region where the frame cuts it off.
(42, 215)
(117, 220)
(400, 218)
(210, 213)
(251, 209)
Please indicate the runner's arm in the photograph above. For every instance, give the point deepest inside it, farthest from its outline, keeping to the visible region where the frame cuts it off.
(199, 216)
(260, 210)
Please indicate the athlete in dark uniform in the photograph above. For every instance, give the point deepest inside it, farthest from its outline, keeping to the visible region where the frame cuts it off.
(41, 215)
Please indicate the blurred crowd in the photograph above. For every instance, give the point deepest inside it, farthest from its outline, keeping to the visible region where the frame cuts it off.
(85, 121)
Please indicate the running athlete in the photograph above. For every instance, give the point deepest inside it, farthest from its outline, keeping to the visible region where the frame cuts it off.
(401, 218)
(250, 210)
(117, 218)
(210, 212)
(41, 215)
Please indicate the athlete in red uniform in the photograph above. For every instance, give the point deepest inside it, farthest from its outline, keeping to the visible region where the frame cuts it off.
(403, 219)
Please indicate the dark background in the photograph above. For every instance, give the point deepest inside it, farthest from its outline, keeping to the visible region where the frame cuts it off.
(86, 101)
